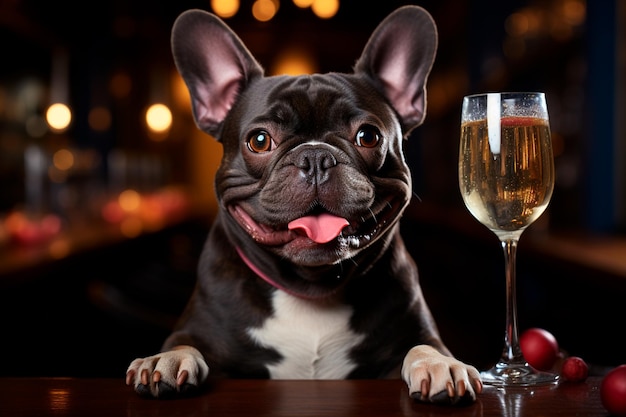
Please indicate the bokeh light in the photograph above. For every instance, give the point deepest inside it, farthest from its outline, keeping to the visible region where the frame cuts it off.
(325, 9)
(225, 8)
(59, 116)
(303, 3)
(159, 117)
(294, 62)
(63, 159)
(129, 200)
(264, 10)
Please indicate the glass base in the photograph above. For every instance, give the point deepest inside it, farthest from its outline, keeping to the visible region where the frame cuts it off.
(517, 375)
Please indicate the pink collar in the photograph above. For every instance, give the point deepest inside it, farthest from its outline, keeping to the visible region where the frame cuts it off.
(267, 279)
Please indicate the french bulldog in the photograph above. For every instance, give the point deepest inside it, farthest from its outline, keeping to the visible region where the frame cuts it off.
(304, 274)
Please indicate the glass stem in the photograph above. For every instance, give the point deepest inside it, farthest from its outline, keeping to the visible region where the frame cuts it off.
(512, 352)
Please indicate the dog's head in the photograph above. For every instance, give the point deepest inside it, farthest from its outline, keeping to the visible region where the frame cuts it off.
(313, 169)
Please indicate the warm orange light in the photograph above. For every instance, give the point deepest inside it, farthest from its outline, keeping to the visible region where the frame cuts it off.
(325, 9)
(180, 92)
(225, 8)
(294, 62)
(131, 227)
(59, 116)
(129, 200)
(63, 159)
(159, 118)
(264, 10)
(59, 249)
(59, 400)
(303, 3)
(574, 12)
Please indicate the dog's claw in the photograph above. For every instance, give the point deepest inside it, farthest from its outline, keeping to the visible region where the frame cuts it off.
(425, 388)
(144, 377)
(460, 388)
(182, 378)
(422, 394)
(450, 388)
(478, 386)
(130, 376)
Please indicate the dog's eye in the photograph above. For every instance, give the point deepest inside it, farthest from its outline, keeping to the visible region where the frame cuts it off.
(260, 142)
(367, 137)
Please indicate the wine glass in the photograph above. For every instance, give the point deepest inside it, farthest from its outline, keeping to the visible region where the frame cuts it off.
(506, 177)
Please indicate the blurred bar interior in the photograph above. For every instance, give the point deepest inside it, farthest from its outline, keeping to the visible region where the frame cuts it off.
(106, 185)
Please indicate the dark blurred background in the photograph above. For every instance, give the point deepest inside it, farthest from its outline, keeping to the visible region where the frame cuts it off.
(102, 219)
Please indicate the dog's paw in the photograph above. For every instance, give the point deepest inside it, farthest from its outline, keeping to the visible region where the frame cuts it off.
(436, 378)
(178, 371)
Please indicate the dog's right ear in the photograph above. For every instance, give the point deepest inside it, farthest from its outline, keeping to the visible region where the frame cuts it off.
(215, 65)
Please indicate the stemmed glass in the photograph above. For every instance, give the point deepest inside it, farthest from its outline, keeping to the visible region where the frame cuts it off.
(506, 177)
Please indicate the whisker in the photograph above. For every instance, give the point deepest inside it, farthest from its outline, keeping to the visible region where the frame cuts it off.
(416, 196)
(373, 215)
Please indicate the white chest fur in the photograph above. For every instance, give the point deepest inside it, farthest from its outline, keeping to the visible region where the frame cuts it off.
(313, 338)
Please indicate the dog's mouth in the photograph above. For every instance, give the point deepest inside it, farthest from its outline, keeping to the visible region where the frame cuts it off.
(321, 227)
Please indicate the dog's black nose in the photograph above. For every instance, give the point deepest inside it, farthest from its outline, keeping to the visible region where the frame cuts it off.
(315, 163)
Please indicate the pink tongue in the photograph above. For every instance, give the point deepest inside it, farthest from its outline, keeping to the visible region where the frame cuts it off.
(320, 229)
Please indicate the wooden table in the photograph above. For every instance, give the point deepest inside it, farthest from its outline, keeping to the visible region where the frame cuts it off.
(257, 398)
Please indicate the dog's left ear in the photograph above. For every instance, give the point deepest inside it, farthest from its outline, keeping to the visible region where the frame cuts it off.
(398, 57)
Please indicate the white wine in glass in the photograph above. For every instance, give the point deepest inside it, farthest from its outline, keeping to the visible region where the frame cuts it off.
(506, 177)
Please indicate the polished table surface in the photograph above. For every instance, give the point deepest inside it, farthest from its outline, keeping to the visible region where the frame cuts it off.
(256, 398)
